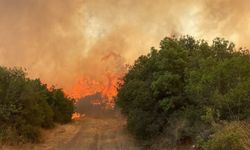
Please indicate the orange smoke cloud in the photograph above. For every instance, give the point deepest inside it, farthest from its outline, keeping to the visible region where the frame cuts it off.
(84, 45)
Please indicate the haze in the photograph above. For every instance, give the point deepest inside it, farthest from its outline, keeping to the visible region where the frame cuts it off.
(83, 46)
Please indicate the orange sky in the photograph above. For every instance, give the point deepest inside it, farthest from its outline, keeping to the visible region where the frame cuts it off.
(84, 45)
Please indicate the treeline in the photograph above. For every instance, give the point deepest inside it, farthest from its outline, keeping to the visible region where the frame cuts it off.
(27, 105)
(188, 91)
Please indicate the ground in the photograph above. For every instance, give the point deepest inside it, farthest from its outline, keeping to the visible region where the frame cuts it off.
(88, 133)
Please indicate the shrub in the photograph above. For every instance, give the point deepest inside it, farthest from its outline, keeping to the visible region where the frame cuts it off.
(29, 133)
(184, 88)
(226, 138)
(26, 105)
(62, 106)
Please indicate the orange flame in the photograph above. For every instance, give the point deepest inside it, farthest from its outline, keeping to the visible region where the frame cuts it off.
(87, 86)
(76, 116)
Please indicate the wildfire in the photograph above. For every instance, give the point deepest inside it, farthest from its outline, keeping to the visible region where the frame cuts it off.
(103, 80)
(87, 86)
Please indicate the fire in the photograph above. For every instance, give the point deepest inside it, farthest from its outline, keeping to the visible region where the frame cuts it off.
(76, 116)
(85, 86)
(103, 80)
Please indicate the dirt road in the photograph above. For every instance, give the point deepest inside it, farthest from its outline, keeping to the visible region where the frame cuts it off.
(101, 134)
(88, 133)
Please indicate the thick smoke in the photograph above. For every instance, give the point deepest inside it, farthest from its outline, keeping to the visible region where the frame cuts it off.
(88, 42)
(226, 18)
(42, 36)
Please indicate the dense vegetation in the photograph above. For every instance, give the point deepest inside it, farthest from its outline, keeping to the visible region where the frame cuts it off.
(27, 105)
(187, 91)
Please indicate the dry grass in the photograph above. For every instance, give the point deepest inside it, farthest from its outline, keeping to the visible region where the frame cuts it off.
(245, 126)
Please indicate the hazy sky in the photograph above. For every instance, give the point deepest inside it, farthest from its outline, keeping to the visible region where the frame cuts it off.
(69, 42)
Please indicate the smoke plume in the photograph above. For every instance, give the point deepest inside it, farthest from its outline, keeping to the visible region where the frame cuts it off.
(84, 45)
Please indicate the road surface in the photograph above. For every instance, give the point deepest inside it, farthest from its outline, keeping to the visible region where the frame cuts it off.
(88, 133)
(101, 134)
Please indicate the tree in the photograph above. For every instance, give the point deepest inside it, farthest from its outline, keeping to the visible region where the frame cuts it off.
(185, 88)
(26, 105)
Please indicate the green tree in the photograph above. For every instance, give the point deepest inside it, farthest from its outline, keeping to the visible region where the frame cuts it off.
(185, 88)
(26, 105)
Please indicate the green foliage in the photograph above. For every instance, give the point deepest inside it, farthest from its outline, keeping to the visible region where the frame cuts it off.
(28, 132)
(184, 88)
(62, 106)
(27, 105)
(226, 138)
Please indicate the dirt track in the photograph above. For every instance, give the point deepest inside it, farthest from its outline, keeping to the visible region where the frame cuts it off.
(89, 133)
(101, 134)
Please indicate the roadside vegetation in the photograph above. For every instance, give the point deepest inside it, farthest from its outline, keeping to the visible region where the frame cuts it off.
(188, 91)
(27, 105)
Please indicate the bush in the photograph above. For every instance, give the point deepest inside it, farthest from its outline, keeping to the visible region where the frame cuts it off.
(184, 88)
(227, 138)
(26, 105)
(29, 133)
(63, 107)
(8, 135)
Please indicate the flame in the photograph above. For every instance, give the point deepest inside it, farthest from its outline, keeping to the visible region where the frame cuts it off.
(85, 86)
(76, 116)
(104, 81)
